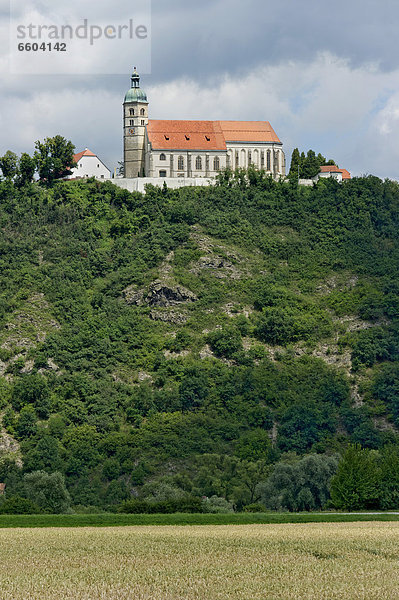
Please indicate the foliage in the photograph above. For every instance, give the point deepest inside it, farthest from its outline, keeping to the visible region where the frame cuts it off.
(188, 504)
(48, 491)
(54, 158)
(300, 484)
(126, 400)
(355, 485)
(16, 505)
(306, 166)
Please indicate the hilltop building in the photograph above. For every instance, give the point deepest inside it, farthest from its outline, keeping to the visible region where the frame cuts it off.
(334, 172)
(193, 149)
(89, 165)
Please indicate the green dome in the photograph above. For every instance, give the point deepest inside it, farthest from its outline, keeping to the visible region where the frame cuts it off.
(135, 94)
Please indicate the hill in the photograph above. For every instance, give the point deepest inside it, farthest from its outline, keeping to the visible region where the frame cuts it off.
(181, 343)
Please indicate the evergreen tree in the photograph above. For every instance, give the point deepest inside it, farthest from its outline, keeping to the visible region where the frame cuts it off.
(295, 164)
(355, 486)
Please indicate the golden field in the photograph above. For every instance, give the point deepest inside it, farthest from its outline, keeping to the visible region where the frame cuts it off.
(328, 561)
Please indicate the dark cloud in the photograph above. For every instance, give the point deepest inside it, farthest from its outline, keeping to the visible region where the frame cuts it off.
(211, 37)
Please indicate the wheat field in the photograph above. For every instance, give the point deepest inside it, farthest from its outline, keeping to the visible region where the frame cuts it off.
(252, 562)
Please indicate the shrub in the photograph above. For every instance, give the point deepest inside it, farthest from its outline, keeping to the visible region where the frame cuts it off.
(217, 505)
(190, 504)
(16, 505)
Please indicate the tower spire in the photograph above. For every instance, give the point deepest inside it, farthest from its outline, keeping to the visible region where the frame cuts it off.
(135, 78)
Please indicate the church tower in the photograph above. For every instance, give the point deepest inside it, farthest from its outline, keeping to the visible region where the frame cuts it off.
(135, 120)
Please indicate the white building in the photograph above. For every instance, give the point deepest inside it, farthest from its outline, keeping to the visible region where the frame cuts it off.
(89, 165)
(334, 172)
(193, 149)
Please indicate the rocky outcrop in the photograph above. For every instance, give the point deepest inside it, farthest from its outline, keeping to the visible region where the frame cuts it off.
(159, 294)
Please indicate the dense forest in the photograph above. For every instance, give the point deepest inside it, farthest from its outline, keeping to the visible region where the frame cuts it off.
(231, 347)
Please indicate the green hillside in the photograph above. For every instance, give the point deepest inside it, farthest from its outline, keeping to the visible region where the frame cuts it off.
(181, 343)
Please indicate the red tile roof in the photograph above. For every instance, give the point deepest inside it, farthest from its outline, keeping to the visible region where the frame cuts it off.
(206, 135)
(335, 169)
(187, 135)
(77, 157)
(345, 174)
(248, 131)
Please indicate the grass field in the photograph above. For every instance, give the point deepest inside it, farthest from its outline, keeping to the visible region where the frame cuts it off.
(120, 520)
(328, 561)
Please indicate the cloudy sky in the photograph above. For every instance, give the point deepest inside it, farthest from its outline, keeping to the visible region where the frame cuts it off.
(326, 75)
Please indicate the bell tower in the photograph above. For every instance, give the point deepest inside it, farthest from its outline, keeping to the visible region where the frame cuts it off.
(135, 120)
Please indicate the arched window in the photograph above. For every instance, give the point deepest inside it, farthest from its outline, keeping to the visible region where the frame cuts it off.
(277, 161)
(268, 161)
(216, 164)
(180, 163)
(262, 159)
(142, 112)
(131, 112)
(198, 163)
(249, 157)
(162, 156)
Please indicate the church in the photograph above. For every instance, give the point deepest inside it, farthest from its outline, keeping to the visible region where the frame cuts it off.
(193, 149)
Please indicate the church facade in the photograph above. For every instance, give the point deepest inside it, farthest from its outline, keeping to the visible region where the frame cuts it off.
(193, 149)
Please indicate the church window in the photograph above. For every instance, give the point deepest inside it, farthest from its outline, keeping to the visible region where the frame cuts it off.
(198, 163)
(249, 157)
(268, 161)
(142, 112)
(131, 112)
(180, 163)
(162, 156)
(237, 159)
(216, 163)
(262, 159)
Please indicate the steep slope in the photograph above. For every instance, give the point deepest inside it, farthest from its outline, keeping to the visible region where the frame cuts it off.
(168, 339)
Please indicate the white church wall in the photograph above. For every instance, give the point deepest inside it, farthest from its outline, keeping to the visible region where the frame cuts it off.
(189, 159)
(138, 184)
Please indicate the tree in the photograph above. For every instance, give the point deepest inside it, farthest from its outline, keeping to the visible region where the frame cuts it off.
(26, 169)
(9, 165)
(32, 389)
(389, 481)
(54, 158)
(225, 342)
(311, 165)
(300, 485)
(26, 424)
(307, 166)
(48, 491)
(295, 164)
(355, 485)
